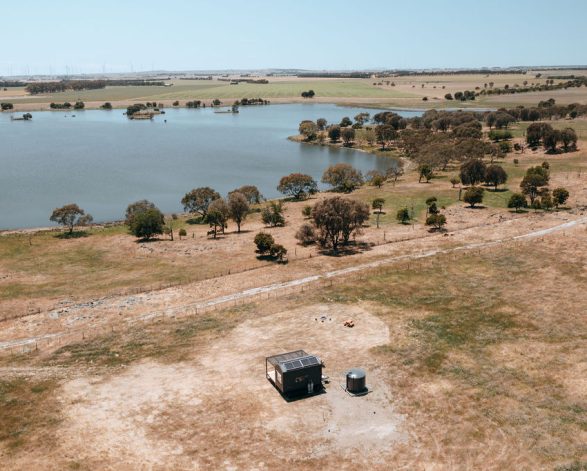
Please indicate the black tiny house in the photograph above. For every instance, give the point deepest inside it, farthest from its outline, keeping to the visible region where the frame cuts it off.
(294, 373)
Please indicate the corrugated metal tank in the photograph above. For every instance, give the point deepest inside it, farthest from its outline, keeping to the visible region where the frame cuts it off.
(356, 380)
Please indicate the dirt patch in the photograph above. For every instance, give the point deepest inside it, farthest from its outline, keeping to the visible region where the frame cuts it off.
(170, 415)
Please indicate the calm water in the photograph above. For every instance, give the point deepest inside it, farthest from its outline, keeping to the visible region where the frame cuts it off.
(102, 161)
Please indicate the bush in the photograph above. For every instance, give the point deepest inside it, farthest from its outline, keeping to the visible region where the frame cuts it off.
(277, 251)
(182, 233)
(437, 221)
(474, 195)
(517, 201)
(499, 135)
(307, 211)
(263, 241)
(403, 216)
(272, 215)
(560, 196)
(306, 234)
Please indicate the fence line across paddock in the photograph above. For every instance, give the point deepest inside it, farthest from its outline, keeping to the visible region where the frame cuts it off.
(412, 261)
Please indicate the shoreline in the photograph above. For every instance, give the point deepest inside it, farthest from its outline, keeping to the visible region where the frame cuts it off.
(348, 102)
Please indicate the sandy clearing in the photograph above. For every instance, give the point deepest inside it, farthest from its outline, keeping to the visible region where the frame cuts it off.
(167, 416)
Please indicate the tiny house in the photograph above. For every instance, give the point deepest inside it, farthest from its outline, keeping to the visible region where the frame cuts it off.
(294, 373)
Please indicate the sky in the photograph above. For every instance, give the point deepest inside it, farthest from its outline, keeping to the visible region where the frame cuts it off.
(90, 36)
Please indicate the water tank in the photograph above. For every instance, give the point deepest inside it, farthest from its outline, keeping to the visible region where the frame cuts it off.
(356, 381)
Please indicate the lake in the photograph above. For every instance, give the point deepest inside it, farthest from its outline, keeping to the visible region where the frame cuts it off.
(103, 161)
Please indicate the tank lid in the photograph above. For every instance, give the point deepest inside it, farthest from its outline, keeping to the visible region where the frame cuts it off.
(356, 373)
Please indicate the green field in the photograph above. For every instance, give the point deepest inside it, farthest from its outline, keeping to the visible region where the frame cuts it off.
(200, 89)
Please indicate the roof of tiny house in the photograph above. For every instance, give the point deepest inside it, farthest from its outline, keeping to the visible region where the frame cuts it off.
(293, 360)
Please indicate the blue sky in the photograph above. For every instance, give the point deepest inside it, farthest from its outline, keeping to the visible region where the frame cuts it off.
(40, 36)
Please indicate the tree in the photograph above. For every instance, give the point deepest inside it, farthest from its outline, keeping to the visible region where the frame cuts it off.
(297, 185)
(474, 195)
(535, 179)
(560, 196)
(348, 136)
(403, 216)
(250, 192)
(517, 201)
(376, 178)
(337, 218)
(550, 139)
(79, 105)
(495, 175)
(385, 133)
(182, 233)
(146, 223)
(472, 172)
(568, 137)
(137, 207)
(306, 234)
(378, 205)
(70, 215)
(546, 201)
(321, 123)
(342, 177)
(238, 208)
(426, 172)
(334, 133)
(277, 251)
(106, 106)
(431, 207)
(346, 121)
(308, 129)
(455, 180)
(263, 241)
(395, 171)
(272, 214)
(199, 199)
(437, 221)
(217, 216)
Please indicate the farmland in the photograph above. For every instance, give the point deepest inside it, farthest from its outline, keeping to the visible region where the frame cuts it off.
(400, 91)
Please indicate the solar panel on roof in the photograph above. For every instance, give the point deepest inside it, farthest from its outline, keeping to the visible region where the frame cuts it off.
(313, 360)
(306, 361)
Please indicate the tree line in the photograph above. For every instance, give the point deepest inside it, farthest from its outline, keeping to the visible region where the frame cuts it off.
(35, 88)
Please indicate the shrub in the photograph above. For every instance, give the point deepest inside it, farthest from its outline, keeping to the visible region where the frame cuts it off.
(437, 221)
(474, 195)
(182, 233)
(334, 133)
(560, 196)
(272, 215)
(277, 251)
(263, 241)
(307, 211)
(306, 234)
(403, 216)
(517, 201)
